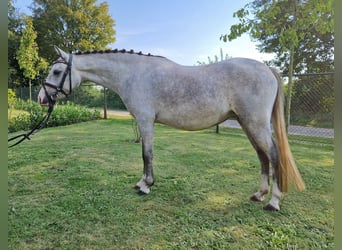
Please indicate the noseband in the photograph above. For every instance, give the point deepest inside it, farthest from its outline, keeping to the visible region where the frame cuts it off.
(59, 89)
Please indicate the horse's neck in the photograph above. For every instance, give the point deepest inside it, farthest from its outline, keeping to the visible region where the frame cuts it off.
(111, 69)
(95, 68)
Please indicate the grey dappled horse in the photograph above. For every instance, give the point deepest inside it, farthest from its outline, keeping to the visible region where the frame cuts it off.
(155, 89)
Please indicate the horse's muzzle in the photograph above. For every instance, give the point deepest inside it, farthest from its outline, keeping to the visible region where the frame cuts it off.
(43, 101)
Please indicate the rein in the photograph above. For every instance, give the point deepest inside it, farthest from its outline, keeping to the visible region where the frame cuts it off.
(38, 127)
(59, 89)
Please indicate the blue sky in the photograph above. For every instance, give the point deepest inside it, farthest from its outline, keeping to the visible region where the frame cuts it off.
(184, 31)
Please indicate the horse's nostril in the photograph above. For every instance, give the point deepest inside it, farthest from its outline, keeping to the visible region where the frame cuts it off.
(43, 101)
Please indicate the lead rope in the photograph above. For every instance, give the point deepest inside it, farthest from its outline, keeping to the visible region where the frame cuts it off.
(38, 127)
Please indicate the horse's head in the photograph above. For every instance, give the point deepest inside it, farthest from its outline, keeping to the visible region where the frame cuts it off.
(60, 81)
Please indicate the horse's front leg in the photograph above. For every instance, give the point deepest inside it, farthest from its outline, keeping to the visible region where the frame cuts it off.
(147, 180)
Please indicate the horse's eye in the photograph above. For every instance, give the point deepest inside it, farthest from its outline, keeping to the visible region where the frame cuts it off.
(56, 72)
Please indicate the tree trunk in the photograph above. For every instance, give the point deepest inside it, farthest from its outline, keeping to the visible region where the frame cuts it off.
(290, 83)
(30, 90)
(105, 103)
(289, 90)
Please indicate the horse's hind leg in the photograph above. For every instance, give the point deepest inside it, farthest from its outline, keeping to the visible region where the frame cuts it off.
(273, 204)
(265, 147)
(265, 182)
(272, 155)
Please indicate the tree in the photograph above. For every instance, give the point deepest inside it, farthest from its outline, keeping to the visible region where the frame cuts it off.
(222, 58)
(277, 25)
(72, 25)
(14, 29)
(300, 32)
(27, 54)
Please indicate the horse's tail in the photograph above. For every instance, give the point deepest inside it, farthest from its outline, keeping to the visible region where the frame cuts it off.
(287, 170)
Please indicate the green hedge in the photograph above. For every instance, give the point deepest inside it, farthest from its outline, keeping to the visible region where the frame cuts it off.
(63, 114)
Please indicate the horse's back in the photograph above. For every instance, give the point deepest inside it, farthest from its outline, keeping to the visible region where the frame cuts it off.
(198, 97)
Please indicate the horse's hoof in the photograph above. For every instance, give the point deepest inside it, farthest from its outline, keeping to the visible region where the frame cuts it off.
(254, 198)
(136, 187)
(269, 207)
(143, 190)
(141, 193)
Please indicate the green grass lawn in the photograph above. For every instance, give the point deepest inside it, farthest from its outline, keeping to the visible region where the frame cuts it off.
(71, 187)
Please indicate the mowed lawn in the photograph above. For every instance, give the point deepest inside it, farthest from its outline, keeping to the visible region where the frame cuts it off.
(71, 187)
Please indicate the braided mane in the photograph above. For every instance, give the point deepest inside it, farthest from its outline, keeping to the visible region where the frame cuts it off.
(114, 51)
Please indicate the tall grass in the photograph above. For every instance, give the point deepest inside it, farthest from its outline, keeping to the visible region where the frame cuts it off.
(71, 187)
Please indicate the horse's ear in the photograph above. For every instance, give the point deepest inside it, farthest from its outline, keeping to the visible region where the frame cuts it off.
(61, 53)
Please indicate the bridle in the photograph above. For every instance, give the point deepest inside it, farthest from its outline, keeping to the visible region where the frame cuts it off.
(59, 89)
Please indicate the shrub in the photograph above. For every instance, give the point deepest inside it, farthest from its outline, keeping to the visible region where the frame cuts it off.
(10, 101)
(19, 122)
(10, 97)
(63, 114)
(70, 113)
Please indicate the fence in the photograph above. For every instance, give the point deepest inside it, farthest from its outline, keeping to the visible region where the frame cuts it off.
(312, 103)
(88, 95)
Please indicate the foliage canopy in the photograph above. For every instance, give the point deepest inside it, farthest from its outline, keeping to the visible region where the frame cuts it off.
(305, 25)
(27, 54)
(71, 25)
